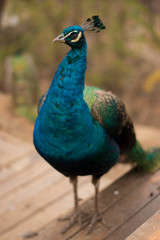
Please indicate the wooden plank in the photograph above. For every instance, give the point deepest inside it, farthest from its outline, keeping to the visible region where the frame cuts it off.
(41, 217)
(141, 216)
(23, 177)
(9, 218)
(46, 210)
(136, 220)
(11, 139)
(150, 230)
(122, 211)
(35, 202)
(13, 168)
(49, 213)
(110, 203)
(11, 148)
(14, 199)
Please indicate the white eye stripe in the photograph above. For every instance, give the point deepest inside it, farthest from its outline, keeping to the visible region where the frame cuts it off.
(78, 37)
(70, 34)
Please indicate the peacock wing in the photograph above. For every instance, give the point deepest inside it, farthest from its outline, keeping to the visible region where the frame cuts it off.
(110, 112)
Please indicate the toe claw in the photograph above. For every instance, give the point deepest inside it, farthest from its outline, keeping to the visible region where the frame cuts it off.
(97, 217)
(67, 217)
(77, 216)
(69, 225)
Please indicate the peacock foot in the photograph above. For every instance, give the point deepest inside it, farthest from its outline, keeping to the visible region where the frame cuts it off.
(97, 217)
(77, 216)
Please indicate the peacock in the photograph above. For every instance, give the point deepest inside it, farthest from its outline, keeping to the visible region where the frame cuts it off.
(83, 130)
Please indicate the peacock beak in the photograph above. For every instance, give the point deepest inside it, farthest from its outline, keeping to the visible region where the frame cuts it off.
(60, 38)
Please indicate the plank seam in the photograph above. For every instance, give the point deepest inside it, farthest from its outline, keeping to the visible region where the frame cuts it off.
(139, 210)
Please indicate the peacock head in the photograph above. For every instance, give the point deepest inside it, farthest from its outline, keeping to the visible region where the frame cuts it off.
(74, 35)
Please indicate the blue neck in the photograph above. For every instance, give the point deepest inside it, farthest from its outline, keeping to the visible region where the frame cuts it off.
(64, 123)
(68, 83)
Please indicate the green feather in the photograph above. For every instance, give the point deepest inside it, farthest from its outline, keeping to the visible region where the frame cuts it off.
(147, 161)
(90, 96)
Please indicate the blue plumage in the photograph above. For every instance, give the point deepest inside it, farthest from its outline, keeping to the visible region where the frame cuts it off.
(65, 133)
(82, 131)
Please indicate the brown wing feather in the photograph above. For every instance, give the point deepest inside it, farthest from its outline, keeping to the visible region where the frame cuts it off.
(111, 113)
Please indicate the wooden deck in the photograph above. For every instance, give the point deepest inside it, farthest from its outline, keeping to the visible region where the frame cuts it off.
(150, 230)
(33, 195)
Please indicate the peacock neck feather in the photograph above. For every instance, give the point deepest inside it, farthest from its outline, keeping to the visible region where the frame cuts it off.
(68, 83)
(66, 118)
(64, 110)
(64, 128)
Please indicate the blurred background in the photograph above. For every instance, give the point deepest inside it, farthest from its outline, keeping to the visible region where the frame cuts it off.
(124, 59)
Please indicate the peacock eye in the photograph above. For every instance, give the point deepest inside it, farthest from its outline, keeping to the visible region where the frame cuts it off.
(74, 35)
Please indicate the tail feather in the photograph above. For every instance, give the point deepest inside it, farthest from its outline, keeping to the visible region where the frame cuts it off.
(153, 156)
(147, 161)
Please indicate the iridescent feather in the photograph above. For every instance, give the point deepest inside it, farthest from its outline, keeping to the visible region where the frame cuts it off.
(83, 131)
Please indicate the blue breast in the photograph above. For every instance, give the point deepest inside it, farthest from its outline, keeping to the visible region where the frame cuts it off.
(65, 134)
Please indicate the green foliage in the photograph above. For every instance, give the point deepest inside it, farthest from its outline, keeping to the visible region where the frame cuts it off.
(30, 112)
(41, 21)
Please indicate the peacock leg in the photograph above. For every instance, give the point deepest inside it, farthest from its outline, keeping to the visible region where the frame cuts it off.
(97, 215)
(77, 215)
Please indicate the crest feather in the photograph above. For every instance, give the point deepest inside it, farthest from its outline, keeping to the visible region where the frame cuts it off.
(93, 24)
